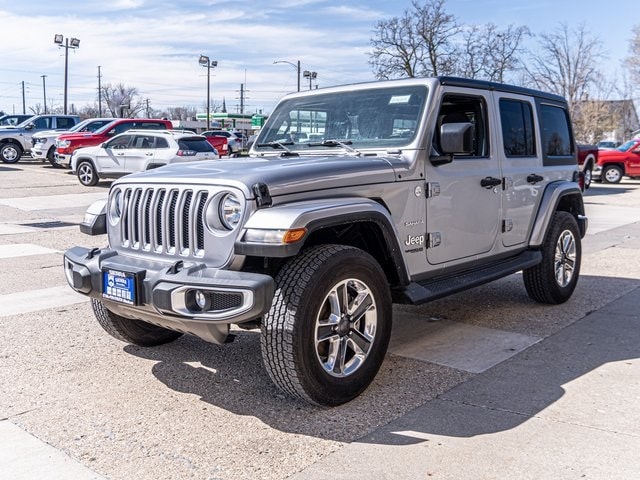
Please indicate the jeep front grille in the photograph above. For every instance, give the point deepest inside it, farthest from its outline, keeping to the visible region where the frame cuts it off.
(169, 221)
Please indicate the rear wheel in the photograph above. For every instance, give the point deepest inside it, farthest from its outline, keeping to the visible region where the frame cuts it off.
(612, 174)
(87, 174)
(328, 329)
(554, 279)
(10, 153)
(132, 331)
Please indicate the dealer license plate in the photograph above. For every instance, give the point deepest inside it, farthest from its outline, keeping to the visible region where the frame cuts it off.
(119, 286)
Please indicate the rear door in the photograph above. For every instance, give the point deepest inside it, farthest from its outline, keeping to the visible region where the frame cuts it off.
(518, 153)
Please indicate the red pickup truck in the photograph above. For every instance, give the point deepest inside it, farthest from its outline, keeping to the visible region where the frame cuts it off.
(622, 161)
(587, 160)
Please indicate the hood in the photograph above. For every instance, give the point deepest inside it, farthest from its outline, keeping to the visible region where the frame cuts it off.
(283, 175)
(78, 136)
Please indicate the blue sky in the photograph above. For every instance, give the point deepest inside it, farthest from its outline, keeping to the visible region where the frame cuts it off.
(154, 45)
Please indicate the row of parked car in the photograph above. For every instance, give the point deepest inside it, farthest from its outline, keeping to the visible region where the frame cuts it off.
(111, 147)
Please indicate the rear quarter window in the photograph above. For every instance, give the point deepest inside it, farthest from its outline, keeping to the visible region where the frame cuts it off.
(195, 144)
(557, 138)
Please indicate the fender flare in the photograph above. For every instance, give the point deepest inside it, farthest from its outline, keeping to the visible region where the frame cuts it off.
(555, 194)
(315, 215)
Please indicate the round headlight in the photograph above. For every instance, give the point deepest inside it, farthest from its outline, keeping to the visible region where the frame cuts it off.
(230, 211)
(115, 207)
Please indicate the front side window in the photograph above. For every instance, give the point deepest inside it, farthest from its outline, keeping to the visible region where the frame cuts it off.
(556, 133)
(516, 118)
(42, 123)
(120, 142)
(464, 109)
(372, 118)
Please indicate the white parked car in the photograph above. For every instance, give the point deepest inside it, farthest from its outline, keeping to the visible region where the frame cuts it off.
(44, 143)
(139, 150)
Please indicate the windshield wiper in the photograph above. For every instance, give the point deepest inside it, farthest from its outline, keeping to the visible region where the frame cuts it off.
(283, 145)
(346, 144)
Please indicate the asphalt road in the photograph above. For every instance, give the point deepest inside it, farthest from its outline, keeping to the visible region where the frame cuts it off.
(76, 403)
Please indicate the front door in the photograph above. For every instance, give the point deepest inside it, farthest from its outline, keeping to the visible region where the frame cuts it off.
(463, 209)
(110, 159)
(140, 153)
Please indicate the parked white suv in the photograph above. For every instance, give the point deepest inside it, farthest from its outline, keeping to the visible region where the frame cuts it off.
(44, 143)
(139, 150)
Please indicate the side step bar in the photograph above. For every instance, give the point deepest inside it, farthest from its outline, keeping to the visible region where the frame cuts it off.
(417, 293)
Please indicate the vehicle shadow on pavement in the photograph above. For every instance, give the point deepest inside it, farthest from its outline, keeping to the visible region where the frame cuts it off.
(424, 396)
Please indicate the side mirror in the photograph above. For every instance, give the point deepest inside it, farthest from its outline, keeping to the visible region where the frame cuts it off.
(30, 126)
(457, 138)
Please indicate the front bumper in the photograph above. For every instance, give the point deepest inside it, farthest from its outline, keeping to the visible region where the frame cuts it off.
(64, 160)
(165, 292)
(596, 173)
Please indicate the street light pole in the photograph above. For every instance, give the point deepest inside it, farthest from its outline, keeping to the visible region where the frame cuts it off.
(73, 44)
(295, 67)
(208, 64)
(44, 92)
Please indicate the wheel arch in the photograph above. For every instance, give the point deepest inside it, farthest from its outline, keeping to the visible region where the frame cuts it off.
(361, 223)
(558, 196)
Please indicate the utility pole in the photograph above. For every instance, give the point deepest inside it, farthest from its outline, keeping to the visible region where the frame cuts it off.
(148, 114)
(241, 98)
(24, 105)
(99, 93)
(44, 92)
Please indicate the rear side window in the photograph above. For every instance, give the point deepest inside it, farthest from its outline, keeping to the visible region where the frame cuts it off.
(517, 128)
(196, 144)
(65, 123)
(151, 125)
(556, 133)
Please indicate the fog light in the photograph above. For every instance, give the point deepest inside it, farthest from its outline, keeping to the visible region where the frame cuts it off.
(201, 300)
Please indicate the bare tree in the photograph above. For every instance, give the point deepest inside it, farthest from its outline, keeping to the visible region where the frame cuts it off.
(566, 63)
(181, 113)
(633, 61)
(122, 101)
(503, 50)
(437, 29)
(418, 43)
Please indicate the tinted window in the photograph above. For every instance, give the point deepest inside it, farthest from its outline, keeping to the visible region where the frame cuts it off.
(556, 135)
(120, 142)
(151, 125)
(123, 127)
(44, 122)
(65, 123)
(517, 128)
(162, 143)
(195, 143)
(462, 109)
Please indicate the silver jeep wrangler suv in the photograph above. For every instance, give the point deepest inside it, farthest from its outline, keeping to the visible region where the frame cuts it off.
(353, 198)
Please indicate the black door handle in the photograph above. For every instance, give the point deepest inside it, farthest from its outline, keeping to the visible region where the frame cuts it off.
(490, 182)
(534, 178)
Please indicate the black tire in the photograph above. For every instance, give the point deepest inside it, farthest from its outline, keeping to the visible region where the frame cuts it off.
(315, 371)
(612, 174)
(132, 331)
(87, 174)
(51, 156)
(10, 153)
(588, 177)
(554, 279)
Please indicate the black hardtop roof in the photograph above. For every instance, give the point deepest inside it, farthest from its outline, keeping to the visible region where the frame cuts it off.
(502, 87)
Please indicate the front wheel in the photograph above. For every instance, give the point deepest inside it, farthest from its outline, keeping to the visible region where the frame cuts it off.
(132, 331)
(87, 174)
(612, 174)
(328, 329)
(51, 156)
(554, 279)
(10, 153)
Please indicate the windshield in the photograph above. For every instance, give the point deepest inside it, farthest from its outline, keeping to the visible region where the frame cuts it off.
(627, 145)
(374, 118)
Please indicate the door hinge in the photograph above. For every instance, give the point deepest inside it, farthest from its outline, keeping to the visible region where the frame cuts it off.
(434, 239)
(433, 189)
(507, 183)
(507, 225)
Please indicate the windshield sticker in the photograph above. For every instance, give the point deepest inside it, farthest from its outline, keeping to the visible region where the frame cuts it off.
(399, 99)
